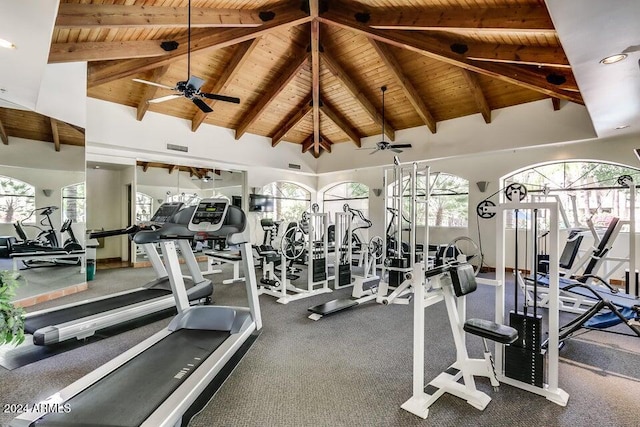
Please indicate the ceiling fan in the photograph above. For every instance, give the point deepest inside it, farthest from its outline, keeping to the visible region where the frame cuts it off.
(189, 88)
(384, 145)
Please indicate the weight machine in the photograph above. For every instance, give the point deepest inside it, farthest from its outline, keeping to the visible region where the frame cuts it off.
(310, 238)
(401, 191)
(365, 285)
(517, 355)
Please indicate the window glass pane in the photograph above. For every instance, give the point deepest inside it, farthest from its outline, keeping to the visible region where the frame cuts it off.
(448, 204)
(290, 200)
(144, 206)
(355, 194)
(17, 201)
(73, 202)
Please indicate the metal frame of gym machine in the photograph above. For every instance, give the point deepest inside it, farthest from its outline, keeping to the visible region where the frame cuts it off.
(394, 265)
(241, 322)
(362, 288)
(318, 227)
(420, 401)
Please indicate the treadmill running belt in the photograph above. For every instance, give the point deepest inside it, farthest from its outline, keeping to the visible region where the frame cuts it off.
(84, 310)
(128, 395)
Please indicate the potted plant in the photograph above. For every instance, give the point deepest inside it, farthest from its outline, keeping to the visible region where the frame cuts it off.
(11, 317)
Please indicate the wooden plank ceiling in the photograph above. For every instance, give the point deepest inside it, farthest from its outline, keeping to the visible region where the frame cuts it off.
(310, 72)
(31, 125)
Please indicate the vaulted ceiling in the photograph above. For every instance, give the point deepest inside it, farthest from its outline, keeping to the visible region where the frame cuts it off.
(33, 126)
(310, 72)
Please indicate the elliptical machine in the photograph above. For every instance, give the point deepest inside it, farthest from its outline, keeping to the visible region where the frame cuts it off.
(46, 240)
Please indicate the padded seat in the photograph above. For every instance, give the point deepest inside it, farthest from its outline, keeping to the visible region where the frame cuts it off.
(491, 330)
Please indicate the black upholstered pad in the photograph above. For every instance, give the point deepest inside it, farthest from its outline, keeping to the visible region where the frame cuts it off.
(463, 279)
(491, 330)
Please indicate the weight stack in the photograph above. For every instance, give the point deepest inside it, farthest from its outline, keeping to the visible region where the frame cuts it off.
(319, 273)
(344, 275)
(524, 360)
(397, 277)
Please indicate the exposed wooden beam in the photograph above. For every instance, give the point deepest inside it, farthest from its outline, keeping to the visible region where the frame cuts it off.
(194, 171)
(202, 40)
(3, 134)
(296, 63)
(173, 168)
(141, 16)
(145, 166)
(307, 144)
(325, 144)
(519, 75)
(357, 94)
(522, 18)
(55, 133)
(150, 91)
(315, 151)
(520, 54)
(103, 51)
(407, 87)
(341, 122)
(556, 104)
(222, 83)
(315, 70)
(478, 94)
(78, 129)
(293, 120)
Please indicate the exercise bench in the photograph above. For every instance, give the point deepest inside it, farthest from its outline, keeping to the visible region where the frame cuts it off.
(219, 257)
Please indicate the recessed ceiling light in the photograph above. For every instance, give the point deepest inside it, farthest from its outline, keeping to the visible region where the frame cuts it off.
(97, 166)
(622, 127)
(7, 44)
(613, 58)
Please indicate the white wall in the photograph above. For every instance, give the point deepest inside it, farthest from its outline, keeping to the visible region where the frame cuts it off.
(114, 127)
(520, 126)
(107, 207)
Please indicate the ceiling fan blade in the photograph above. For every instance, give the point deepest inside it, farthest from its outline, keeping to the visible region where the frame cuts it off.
(367, 148)
(394, 149)
(153, 84)
(400, 146)
(202, 105)
(163, 98)
(195, 82)
(374, 151)
(220, 97)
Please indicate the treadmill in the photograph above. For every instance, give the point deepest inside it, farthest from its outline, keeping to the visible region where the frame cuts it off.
(82, 319)
(157, 382)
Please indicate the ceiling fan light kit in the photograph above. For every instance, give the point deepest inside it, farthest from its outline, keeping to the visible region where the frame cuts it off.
(189, 88)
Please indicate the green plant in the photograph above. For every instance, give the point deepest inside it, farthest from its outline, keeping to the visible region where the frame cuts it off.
(11, 317)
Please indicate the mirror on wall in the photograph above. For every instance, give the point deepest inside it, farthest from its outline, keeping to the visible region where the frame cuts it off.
(42, 204)
(126, 194)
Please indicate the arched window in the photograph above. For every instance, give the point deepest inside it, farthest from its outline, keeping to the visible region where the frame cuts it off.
(290, 200)
(355, 194)
(188, 199)
(144, 207)
(17, 200)
(585, 190)
(449, 201)
(73, 202)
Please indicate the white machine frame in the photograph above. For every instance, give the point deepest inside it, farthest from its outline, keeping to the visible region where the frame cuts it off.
(420, 401)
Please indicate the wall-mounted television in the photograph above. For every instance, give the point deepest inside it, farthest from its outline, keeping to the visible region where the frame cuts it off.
(260, 203)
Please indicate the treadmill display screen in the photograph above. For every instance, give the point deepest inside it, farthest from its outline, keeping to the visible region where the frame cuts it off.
(209, 215)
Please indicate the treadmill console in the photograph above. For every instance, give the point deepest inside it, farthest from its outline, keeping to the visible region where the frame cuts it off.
(209, 215)
(165, 212)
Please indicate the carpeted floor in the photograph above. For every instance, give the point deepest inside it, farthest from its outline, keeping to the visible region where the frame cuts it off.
(354, 368)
